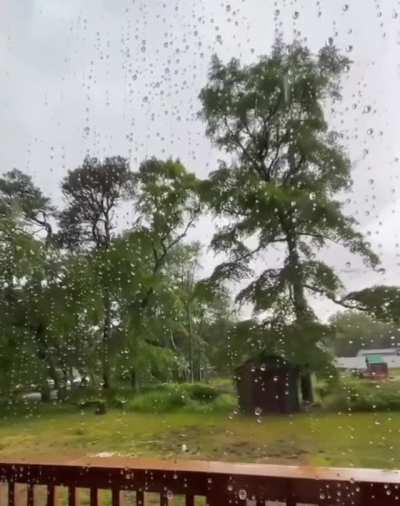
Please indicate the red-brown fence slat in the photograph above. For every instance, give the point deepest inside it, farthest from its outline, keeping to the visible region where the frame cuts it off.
(139, 498)
(11, 493)
(115, 497)
(51, 495)
(30, 494)
(189, 500)
(94, 496)
(73, 496)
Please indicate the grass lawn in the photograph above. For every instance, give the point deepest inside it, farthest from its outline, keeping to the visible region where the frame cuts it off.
(362, 440)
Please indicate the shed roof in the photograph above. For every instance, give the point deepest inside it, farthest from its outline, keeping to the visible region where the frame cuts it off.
(270, 361)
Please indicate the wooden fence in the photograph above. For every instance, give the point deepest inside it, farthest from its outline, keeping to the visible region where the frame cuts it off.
(191, 483)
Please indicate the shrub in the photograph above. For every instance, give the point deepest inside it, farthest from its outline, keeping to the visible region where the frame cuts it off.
(363, 395)
(158, 401)
(99, 405)
(224, 385)
(200, 392)
(197, 397)
(118, 402)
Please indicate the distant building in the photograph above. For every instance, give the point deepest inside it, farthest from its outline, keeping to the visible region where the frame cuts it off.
(390, 356)
(379, 351)
(350, 363)
(376, 366)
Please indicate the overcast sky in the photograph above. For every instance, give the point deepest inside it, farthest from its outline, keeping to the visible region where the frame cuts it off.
(123, 76)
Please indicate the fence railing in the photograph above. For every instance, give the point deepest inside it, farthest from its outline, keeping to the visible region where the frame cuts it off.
(150, 482)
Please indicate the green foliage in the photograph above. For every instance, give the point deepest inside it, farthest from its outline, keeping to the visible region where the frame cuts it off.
(354, 330)
(382, 302)
(201, 392)
(21, 199)
(279, 188)
(125, 305)
(158, 401)
(171, 397)
(354, 395)
(167, 196)
(92, 192)
(305, 344)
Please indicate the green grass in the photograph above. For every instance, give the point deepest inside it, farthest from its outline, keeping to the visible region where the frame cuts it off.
(362, 439)
(202, 422)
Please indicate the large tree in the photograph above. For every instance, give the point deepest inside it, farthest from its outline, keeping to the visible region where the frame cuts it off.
(279, 183)
(27, 260)
(93, 193)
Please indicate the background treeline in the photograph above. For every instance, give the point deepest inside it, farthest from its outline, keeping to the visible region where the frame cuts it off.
(106, 283)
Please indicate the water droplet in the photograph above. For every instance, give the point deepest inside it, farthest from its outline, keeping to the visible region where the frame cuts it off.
(242, 494)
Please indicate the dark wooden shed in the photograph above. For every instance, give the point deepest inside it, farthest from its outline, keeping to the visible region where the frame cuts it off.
(268, 384)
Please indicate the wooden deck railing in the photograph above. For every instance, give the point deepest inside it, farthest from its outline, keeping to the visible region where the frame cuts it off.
(191, 483)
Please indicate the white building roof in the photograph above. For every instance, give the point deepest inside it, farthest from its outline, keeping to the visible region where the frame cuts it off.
(377, 351)
(350, 363)
(393, 362)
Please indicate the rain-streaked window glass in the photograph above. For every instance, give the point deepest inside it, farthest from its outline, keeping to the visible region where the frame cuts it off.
(199, 231)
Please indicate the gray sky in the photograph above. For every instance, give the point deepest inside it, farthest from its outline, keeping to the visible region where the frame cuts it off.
(123, 76)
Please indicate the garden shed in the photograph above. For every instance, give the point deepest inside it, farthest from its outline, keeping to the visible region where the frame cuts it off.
(268, 384)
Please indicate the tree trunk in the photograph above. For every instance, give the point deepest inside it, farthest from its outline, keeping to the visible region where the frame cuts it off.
(306, 387)
(191, 360)
(45, 354)
(53, 373)
(106, 341)
(133, 379)
(301, 308)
